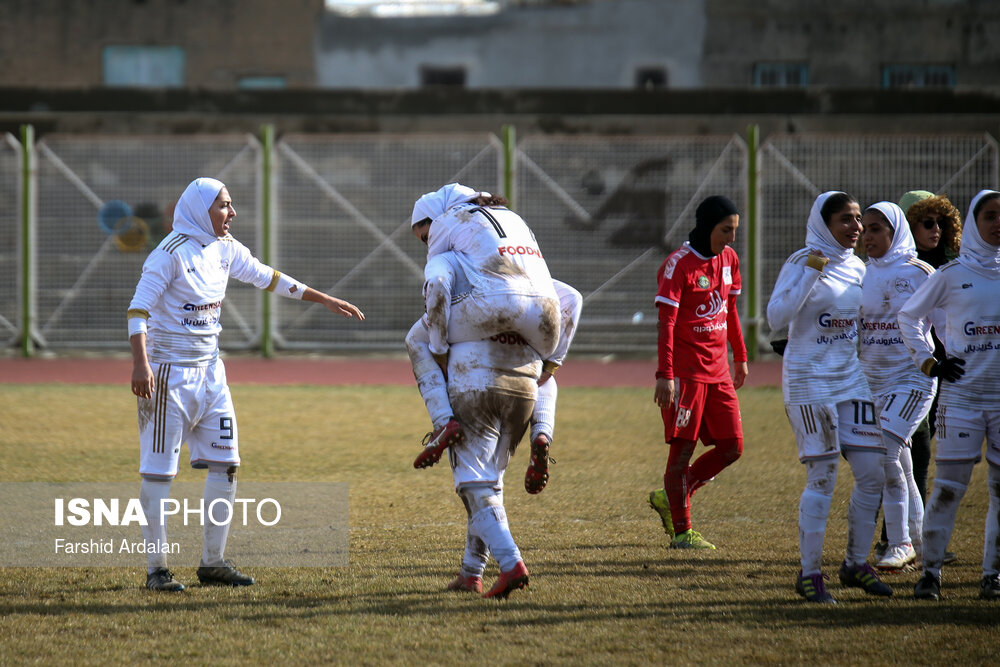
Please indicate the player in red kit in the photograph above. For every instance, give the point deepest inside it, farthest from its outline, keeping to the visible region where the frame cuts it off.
(696, 300)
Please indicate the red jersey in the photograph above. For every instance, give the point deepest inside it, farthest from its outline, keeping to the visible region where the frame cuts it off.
(696, 299)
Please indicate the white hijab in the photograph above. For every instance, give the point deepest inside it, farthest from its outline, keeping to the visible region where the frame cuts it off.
(977, 254)
(191, 213)
(819, 236)
(434, 204)
(902, 246)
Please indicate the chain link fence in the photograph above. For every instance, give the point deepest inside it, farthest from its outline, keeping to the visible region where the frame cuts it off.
(606, 211)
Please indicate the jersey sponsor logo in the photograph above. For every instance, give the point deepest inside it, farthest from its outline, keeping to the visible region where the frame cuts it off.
(519, 250)
(828, 321)
(712, 307)
(727, 275)
(973, 329)
(509, 338)
(199, 307)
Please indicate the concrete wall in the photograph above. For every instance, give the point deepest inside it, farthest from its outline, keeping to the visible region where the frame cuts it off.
(59, 43)
(588, 45)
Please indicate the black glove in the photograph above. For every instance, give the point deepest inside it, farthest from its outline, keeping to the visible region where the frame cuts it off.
(779, 346)
(949, 368)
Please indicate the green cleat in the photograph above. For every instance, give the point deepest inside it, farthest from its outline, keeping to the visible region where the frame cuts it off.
(658, 501)
(690, 539)
(813, 588)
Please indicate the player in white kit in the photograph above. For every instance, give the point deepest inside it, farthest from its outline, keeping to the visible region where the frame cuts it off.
(511, 289)
(178, 377)
(903, 395)
(967, 290)
(492, 384)
(827, 398)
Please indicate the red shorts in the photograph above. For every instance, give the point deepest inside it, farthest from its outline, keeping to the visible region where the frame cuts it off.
(709, 412)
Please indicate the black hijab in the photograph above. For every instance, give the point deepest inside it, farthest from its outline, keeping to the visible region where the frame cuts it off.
(710, 212)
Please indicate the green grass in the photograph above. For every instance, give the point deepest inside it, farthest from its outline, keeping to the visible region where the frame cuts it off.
(604, 587)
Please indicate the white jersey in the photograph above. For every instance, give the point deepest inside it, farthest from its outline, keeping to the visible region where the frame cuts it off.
(495, 248)
(971, 304)
(884, 356)
(181, 291)
(820, 310)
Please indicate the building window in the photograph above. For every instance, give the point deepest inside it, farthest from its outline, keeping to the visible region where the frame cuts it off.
(144, 66)
(918, 76)
(442, 76)
(261, 82)
(780, 75)
(647, 78)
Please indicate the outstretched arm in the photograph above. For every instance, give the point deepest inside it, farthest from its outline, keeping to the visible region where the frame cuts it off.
(333, 304)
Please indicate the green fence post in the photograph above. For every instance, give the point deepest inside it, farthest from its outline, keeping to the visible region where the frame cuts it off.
(27, 239)
(753, 240)
(267, 183)
(509, 164)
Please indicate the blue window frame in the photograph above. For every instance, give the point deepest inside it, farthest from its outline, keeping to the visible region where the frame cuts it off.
(780, 75)
(144, 66)
(918, 76)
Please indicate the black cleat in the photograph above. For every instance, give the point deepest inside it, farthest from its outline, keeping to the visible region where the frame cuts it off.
(223, 575)
(162, 579)
(864, 577)
(989, 587)
(928, 588)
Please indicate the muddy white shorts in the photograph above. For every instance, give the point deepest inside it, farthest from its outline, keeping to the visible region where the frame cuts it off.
(961, 431)
(823, 430)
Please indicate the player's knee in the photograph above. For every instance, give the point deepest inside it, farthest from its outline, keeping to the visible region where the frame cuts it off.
(477, 498)
(730, 450)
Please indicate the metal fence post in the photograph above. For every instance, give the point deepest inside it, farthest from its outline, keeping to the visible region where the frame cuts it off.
(266, 243)
(29, 210)
(509, 137)
(753, 240)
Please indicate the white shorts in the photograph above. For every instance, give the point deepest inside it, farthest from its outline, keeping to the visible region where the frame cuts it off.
(901, 412)
(191, 404)
(494, 424)
(824, 430)
(478, 316)
(960, 435)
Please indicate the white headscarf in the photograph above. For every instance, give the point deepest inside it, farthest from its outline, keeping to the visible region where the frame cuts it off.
(902, 246)
(819, 236)
(191, 213)
(434, 204)
(976, 253)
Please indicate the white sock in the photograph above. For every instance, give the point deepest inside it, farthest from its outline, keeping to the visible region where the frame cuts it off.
(430, 380)
(476, 554)
(939, 521)
(152, 493)
(814, 509)
(490, 525)
(869, 480)
(217, 487)
(991, 549)
(543, 418)
(915, 511)
(895, 497)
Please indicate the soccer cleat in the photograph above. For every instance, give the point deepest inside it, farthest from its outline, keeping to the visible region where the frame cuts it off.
(880, 548)
(471, 583)
(437, 441)
(690, 539)
(813, 588)
(509, 581)
(537, 475)
(928, 587)
(896, 558)
(223, 575)
(658, 501)
(989, 587)
(863, 576)
(162, 579)
(949, 558)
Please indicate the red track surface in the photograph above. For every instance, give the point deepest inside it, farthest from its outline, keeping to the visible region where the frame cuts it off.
(339, 371)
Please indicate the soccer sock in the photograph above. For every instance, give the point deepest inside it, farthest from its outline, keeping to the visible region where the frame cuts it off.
(718, 457)
(152, 493)
(950, 484)
(219, 486)
(543, 418)
(430, 380)
(915, 511)
(814, 509)
(476, 554)
(920, 451)
(675, 483)
(490, 525)
(895, 496)
(991, 548)
(869, 480)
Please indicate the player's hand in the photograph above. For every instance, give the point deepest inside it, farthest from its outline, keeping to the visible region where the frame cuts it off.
(143, 382)
(741, 370)
(664, 393)
(341, 307)
(949, 369)
(543, 378)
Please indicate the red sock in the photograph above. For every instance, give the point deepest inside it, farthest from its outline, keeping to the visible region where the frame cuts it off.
(712, 462)
(675, 483)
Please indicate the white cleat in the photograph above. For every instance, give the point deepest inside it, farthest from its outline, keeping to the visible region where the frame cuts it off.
(897, 557)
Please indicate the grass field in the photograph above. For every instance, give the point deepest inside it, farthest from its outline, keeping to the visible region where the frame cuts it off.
(604, 587)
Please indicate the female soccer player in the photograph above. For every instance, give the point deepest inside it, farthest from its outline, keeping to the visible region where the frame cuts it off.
(968, 291)
(827, 399)
(903, 394)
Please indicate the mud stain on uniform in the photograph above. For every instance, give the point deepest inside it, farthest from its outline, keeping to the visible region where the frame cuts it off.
(145, 411)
